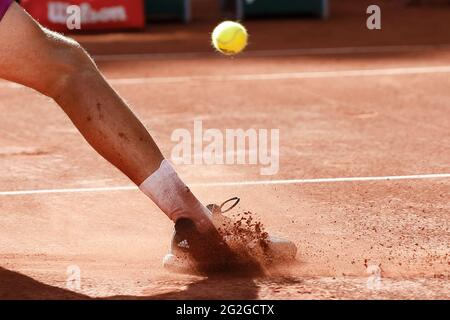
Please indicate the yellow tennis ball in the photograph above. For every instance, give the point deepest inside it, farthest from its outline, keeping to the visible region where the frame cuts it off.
(230, 37)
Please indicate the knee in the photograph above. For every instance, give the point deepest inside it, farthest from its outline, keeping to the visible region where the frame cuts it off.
(69, 64)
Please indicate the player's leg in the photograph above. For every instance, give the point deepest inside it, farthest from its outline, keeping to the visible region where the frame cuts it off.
(59, 68)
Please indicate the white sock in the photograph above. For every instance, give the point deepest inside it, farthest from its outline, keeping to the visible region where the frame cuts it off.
(174, 198)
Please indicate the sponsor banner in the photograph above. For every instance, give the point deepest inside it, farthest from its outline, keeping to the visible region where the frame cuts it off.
(91, 14)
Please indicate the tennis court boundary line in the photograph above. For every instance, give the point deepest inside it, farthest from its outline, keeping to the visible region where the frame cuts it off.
(287, 75)
(272, 76)
(275, 52)
(234, 184)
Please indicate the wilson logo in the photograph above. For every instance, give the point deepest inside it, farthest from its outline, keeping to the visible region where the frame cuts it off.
(57, 13)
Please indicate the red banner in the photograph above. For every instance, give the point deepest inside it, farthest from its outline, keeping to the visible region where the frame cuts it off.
(79, 15)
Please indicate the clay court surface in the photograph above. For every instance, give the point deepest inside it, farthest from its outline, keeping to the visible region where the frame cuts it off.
(348, 103)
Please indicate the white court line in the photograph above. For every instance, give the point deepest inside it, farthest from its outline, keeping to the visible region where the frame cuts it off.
(275, 53)
(273, 76)
(287, 75)
(235, 184)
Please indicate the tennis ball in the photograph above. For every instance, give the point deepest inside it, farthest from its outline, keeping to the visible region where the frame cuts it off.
(229, 37)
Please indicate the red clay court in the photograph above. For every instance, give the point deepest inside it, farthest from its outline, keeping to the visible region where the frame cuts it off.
(364, 179)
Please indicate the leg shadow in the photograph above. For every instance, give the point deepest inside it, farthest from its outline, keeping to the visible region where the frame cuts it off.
(211, 288)
(16, 286)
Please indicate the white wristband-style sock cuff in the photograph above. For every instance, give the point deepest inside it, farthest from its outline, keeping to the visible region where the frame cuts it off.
(165, 188)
